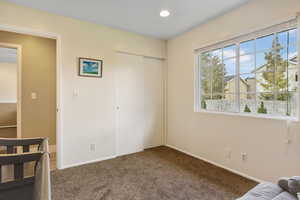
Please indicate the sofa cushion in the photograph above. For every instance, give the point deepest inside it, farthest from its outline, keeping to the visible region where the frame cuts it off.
(263, 191)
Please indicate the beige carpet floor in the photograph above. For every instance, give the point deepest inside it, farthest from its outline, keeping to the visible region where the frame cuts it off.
(156, 174)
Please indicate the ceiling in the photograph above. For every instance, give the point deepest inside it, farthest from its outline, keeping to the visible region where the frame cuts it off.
(139, 16)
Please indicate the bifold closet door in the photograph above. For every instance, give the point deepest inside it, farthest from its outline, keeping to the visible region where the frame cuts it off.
(130, 99)
(153, 102)
(139, 100)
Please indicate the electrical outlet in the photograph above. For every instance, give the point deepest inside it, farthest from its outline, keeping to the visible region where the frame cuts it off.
(75, 93)
(288, 141)
(93, 147)
(244, 157)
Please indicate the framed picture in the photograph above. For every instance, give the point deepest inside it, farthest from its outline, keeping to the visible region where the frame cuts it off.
(90, 67)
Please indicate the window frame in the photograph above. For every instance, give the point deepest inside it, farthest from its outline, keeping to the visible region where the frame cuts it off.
(276, 29)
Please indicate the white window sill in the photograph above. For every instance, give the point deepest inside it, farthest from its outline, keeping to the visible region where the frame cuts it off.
(261, 116)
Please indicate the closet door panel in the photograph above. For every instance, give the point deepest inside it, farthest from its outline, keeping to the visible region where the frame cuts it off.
(130, 98)
(153, 102)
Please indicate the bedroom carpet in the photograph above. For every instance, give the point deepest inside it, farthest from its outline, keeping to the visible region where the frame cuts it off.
(159, 173)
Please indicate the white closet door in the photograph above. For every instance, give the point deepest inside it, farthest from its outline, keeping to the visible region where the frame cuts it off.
(153, 102)
(139, 98)
(130, 98)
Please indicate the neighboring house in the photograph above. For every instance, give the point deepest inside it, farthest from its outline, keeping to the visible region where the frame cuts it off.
(230, 87)
(292, 73)
(251, 85)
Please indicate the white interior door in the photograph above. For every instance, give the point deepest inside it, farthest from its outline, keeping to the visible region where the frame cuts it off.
(139, 99)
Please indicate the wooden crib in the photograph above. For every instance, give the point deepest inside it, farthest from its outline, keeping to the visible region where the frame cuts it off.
(15, 156)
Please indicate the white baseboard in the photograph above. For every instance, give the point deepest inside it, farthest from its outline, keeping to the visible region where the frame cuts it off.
(173, 147)
(87, 162)
(217, 164)
(153, 146)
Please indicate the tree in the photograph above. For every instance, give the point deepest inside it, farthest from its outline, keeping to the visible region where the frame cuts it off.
(203, 104)
(212, 74)
(262, 108)
(247, 109)
(274, 76)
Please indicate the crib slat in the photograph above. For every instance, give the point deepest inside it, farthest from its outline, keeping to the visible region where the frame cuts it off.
(25, 148)
(19, 171)
(10, 149)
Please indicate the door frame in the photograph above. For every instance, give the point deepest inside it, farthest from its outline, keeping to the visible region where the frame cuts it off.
(59, 110)
(19, 84)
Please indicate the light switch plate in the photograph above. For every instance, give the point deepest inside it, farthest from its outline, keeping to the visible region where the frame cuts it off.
(33, 95)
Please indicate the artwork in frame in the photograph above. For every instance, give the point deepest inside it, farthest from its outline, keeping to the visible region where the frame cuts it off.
(90, 67)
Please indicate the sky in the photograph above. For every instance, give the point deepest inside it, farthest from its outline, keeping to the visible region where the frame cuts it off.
(248, 60)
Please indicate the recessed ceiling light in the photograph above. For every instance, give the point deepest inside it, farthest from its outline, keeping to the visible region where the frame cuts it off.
(164, 13)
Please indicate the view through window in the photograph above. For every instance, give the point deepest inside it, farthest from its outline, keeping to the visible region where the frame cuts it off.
(258, 76)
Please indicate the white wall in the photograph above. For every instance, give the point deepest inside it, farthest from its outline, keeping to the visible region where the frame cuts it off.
(209, 135)
(89, 117)
(8, 82)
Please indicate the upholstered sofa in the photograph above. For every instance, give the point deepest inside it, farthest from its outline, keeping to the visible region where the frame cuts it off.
(268, 191)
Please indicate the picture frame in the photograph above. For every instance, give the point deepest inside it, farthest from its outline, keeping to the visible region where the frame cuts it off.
(89, 67)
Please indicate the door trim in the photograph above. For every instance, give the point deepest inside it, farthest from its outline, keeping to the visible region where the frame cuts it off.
(19, 84)
(59, 109)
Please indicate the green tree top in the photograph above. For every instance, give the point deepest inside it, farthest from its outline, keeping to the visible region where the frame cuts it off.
(212, 68)
(274, 76)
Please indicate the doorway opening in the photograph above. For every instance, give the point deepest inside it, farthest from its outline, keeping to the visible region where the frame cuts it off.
(28, 88)
(10, 91)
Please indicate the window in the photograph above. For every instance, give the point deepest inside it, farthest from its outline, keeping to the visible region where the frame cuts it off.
(257, 75)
